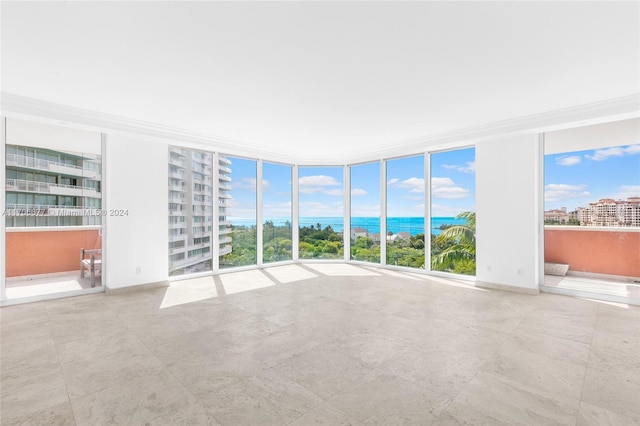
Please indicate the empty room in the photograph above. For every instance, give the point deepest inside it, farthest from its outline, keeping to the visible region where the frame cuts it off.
(215, 213)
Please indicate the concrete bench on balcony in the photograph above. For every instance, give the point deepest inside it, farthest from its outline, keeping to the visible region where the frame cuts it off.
(559, 269)
(91, 260)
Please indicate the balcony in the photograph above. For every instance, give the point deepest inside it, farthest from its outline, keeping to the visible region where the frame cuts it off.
(180, 162)
(180, 237)
(23, 245)
(601, 260)
(177, 174)
(189, 261)
(21, 161)
(20, 185)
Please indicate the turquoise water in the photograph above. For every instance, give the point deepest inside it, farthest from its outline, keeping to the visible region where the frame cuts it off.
(413, 225)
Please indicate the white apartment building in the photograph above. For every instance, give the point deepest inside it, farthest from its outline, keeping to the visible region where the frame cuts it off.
(51, 188)
(191, 209)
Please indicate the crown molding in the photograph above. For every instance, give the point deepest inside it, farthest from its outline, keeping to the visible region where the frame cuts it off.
(598, 112)
(622, 108)
(21, 106)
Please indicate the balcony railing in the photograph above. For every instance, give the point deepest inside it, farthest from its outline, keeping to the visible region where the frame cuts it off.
(50, 166)
(50, 188)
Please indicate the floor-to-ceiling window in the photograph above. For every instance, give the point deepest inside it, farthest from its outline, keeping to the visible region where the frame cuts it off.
(190, 211)
(365, 212)
(54, 210)
(276, 212)
(240, 189)
(321, 212)
(453, 217)
(405, 211)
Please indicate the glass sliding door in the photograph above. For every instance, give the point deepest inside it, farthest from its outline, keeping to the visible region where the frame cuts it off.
(365, 212)
(53, 214)
(238, 192)
(276, 212)
(405, 212)
(321, 212)
(453, 217)
(190, 211)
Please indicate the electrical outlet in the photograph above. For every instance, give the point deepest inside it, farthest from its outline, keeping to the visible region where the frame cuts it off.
(138, 270)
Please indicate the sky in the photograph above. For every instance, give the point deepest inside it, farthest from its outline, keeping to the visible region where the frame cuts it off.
(321, 188)
(575, 179)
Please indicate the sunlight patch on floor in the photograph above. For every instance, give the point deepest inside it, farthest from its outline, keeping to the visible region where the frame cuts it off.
(244, 281)
(188, 291)
(290, 273)
(341, 270)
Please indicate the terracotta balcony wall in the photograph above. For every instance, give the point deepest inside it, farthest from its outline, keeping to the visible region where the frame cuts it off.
(47, 250)
(598, 250)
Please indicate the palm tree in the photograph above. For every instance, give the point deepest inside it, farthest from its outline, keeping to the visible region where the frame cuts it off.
(463, 238)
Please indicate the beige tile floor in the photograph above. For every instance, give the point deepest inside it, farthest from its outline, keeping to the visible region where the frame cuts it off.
(310, 344)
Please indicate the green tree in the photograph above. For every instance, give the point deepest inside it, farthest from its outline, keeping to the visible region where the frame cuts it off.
(460, 241)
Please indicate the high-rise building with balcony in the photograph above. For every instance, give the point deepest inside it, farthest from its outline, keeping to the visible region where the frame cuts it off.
(224, 196)
(191, 209)
(45, 187)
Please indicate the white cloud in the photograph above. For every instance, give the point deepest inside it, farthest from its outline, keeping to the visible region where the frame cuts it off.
(447, 188)
(366, 211)
(617, 151)
(249, 183)
(277, 210)
(632, 149)
(468, 167)
(314, 208)
(399, 210)
(318, 180)
(560, 191)
(318, 184)
(446, 210)
(358, 191)
(568, 160)
(626, 191)
(413, 184)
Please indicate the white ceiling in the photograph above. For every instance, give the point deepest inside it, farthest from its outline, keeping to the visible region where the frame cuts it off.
(321, 79)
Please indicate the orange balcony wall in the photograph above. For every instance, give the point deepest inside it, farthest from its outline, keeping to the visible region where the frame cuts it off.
(42, 251)
(595, 250)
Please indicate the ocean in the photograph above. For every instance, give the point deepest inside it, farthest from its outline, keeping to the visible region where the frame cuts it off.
(413, 225)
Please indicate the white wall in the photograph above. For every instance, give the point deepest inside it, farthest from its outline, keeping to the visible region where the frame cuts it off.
(136, 181)
(59, 138)
(508, 192)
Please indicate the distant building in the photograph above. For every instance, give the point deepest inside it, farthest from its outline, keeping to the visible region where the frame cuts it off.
(399, 236)
(375, 237)
(359, 232)
(610, 212)
(557, 215)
